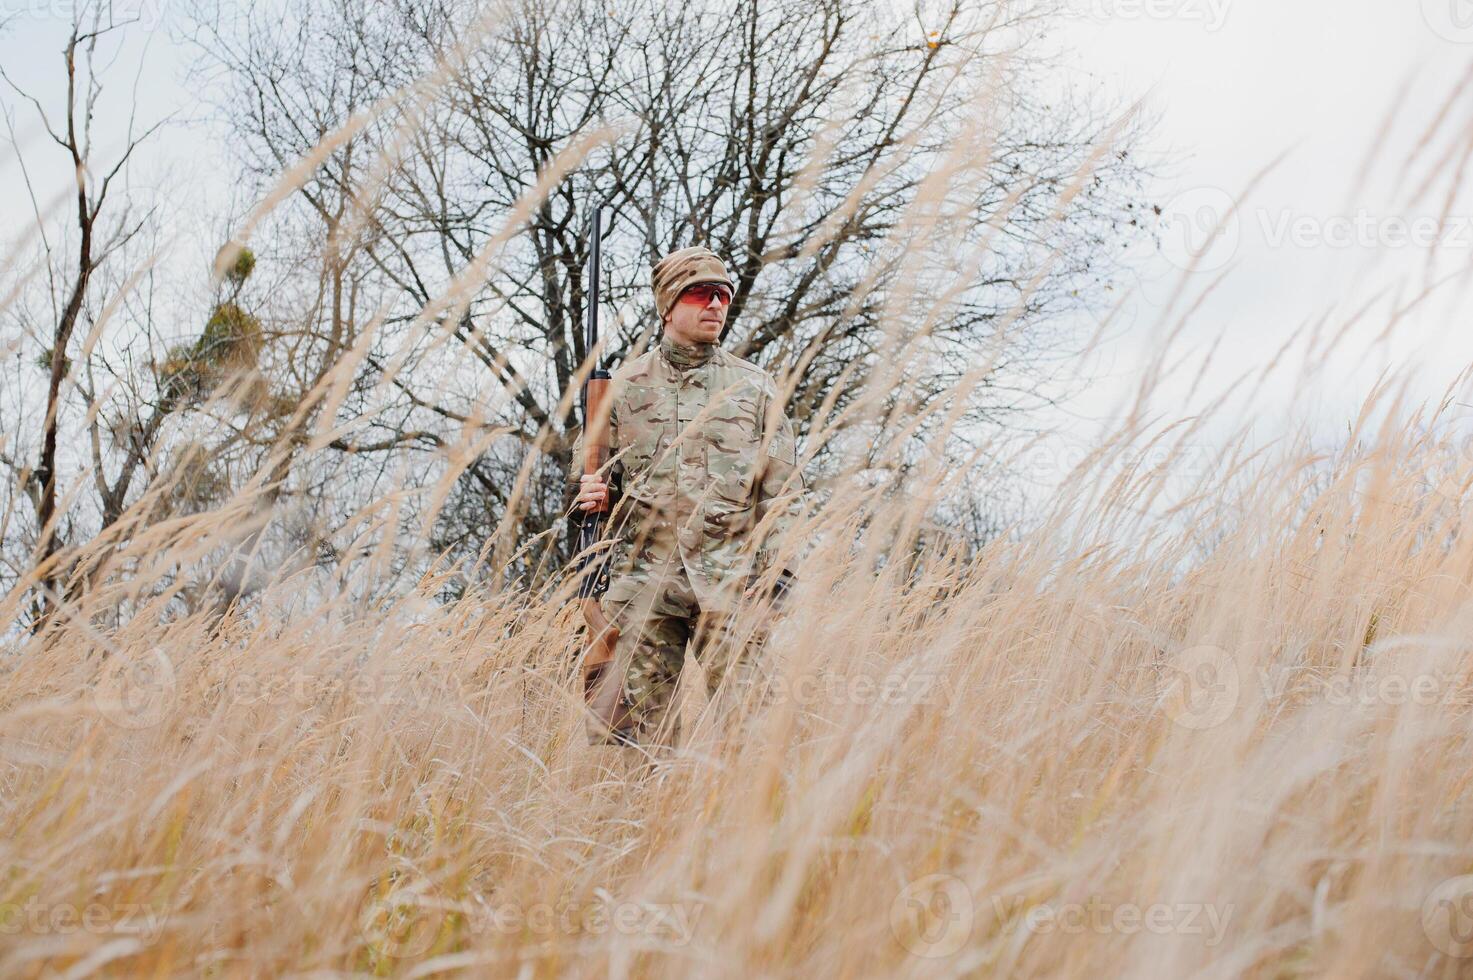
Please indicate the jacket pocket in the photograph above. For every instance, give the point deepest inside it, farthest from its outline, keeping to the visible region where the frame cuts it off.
(646, 424)
(733, 441)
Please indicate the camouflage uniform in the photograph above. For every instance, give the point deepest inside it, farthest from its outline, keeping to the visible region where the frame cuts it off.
(709, 470)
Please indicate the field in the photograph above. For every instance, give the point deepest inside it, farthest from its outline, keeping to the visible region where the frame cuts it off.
(1060, 755)
(1203, 708)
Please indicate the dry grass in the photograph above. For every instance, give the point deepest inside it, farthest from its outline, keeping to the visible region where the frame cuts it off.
(403, 787)
(1214, 732)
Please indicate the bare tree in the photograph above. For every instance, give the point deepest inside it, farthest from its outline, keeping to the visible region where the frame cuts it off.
(103, 224)
(153, 408)
(793, 137)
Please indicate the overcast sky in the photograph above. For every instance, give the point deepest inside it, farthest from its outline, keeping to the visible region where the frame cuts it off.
(1235, 85)
(1239, 84)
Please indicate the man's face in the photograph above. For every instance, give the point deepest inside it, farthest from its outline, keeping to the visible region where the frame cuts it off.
(699, 314)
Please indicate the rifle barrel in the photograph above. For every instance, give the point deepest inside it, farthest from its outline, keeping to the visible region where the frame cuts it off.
(595, 420)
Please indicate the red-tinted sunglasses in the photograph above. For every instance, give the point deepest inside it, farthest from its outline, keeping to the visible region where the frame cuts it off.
(701, 294)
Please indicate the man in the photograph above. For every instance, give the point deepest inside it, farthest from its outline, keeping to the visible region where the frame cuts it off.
(709, 487)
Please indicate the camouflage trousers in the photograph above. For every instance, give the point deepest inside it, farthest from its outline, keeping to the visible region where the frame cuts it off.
(661, 625)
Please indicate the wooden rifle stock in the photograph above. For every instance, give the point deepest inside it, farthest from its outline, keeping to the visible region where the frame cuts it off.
(603, 687)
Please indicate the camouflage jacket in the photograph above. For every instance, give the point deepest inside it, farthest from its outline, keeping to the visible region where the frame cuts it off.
(708, 469)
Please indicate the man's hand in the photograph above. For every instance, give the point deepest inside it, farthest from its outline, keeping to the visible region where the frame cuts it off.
(776, 595)
(591, 492)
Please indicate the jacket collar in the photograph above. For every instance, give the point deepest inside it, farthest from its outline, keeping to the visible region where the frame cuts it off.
(683, 356)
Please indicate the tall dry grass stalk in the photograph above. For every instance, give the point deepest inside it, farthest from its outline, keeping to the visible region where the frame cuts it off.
(1262, 751)
(1203, 719)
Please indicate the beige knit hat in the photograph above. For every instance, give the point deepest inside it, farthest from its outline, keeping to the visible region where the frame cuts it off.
(684, 268)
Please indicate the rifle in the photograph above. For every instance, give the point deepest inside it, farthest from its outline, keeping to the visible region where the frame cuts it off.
(603, 688)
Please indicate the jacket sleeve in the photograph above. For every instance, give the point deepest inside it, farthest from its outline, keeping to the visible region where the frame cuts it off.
(573, 479)
(781, 490)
